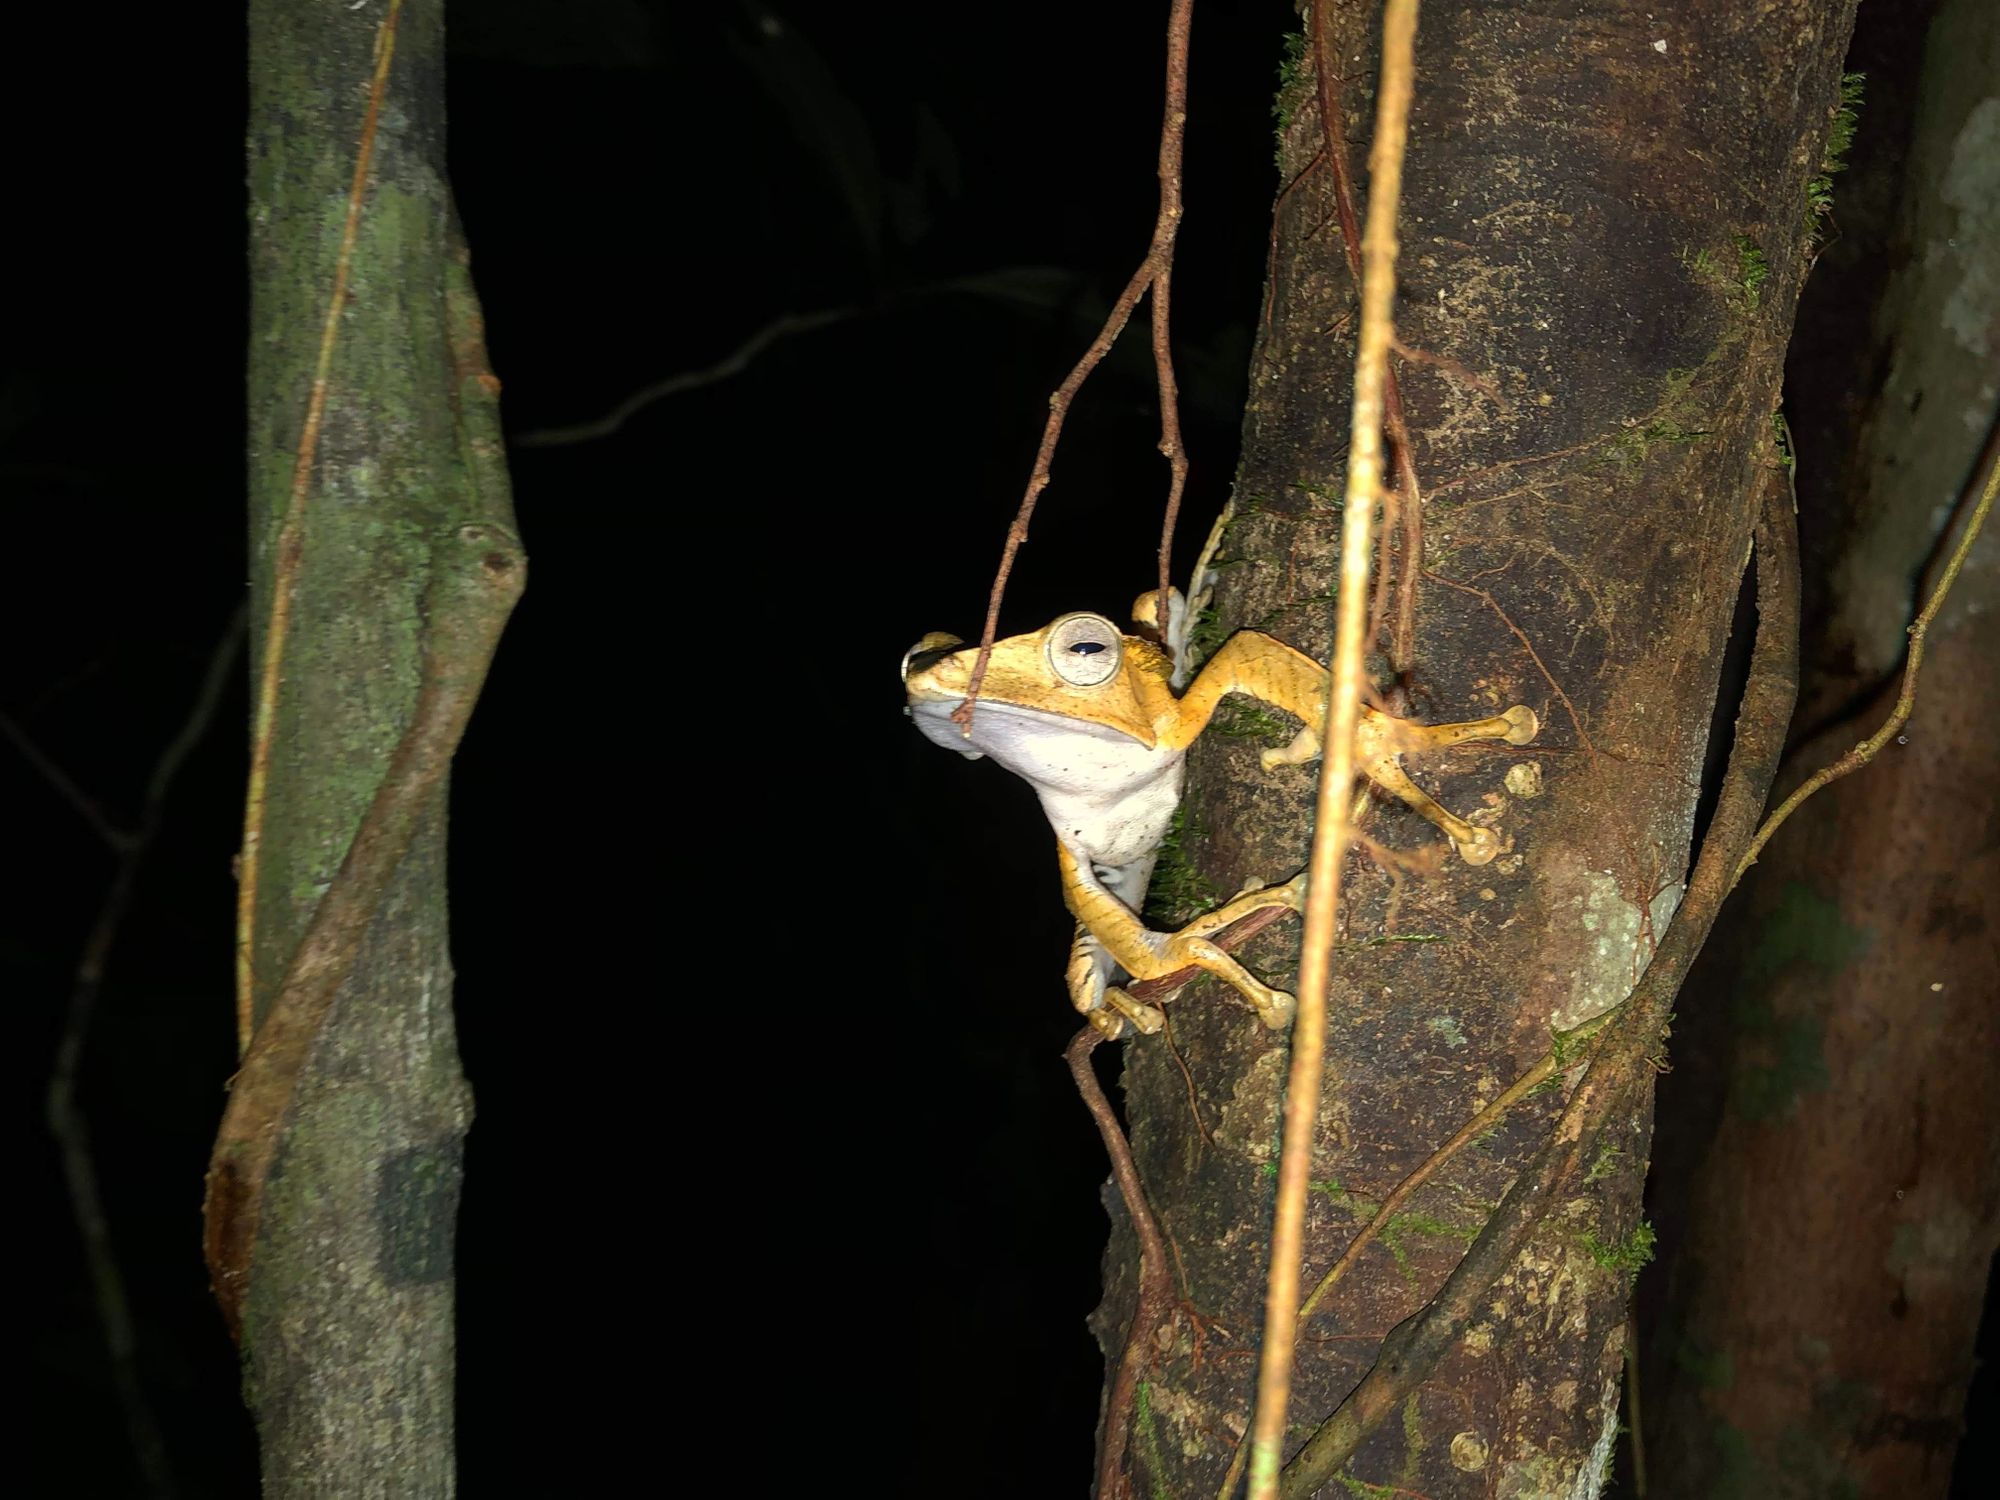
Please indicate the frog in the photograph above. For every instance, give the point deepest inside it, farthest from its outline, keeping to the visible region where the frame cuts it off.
(1099, 720)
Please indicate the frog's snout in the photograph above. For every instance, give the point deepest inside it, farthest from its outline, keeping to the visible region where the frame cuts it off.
(933, 648)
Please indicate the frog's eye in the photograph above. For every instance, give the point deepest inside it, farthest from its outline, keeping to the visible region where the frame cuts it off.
(1084, 649)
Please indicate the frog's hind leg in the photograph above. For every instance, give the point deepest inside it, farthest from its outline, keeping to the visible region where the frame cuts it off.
(1252, 898)
(1113, 926)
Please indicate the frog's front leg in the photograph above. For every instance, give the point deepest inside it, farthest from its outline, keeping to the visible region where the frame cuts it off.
(1263, 668)
(1109, 929)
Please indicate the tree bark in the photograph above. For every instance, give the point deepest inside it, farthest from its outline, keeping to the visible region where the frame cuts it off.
(347, 1320)
(1830, 1174)
(1604, 234)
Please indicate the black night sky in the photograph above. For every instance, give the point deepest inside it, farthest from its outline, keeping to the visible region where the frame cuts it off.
(759, 993)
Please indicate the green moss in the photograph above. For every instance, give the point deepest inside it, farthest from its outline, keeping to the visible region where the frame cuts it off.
(1149, 1441)
(1205, 636)
(1606, 1163)
(1752, 269)
(1673, 420)
(1413, 1439)
(1291, 82)
(1833, 156)
(1742, 284)
(1178, 892)
(1430, 1226)
(1628, 1256)
(1239, 718)
(1781, 439)
(1363, 1488)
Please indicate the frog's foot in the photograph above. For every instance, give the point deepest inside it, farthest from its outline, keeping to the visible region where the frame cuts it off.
(1274, 1007)
(1304, 747)
(1278, 1013)
(1383, 741)
(1107, 1021)
(1146, 1018)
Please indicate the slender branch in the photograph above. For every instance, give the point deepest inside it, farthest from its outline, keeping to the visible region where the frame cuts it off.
(1622, 1057)
(290, 548)
(1170, 435)
(477, 574)
(739, 359)
(118, 840)
(67, 1123)
(1173, 130)
(1407, 499)
(1906, 700)
(1332, 828)
(1156, 1288)
(1156, 266)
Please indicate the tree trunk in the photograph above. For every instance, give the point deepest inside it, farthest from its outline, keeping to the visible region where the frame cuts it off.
(347, 1332)
(1830, 1181)
(1604, 233)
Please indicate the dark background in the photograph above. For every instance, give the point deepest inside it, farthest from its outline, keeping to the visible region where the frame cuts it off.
(759, 993)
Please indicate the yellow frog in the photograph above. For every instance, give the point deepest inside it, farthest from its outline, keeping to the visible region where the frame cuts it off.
(1089, 716)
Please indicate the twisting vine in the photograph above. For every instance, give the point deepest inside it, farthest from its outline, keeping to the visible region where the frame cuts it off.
(1155, 274)
(291, 548)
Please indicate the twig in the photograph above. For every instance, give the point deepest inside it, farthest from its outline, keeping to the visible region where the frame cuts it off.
(118, 840)
(1332, 828)
(66, 1121)
(477, 574)
(732, 364)
(290, 547)
(1173, 131)
(1408, 495)
(1153, 273)
(1906, 700)
(1622, 1056)
(1156, 1288)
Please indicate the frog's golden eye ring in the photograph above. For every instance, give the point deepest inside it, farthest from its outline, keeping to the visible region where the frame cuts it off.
(1084, 650)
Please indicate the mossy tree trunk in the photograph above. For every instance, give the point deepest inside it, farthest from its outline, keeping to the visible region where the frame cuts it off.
(347, 1336)
(1604, 232)
(1834, 1110)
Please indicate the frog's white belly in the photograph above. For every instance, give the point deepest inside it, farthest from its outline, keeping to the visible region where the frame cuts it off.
(1108, 797)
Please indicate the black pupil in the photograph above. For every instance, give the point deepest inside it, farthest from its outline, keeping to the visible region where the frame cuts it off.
(1087, 648)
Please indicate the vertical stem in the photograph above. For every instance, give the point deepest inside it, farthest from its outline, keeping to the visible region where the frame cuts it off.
(1331, 830)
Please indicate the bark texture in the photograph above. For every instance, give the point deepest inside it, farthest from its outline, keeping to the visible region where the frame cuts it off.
(1603, 240)
(348, 1333)
(1830, 1186)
